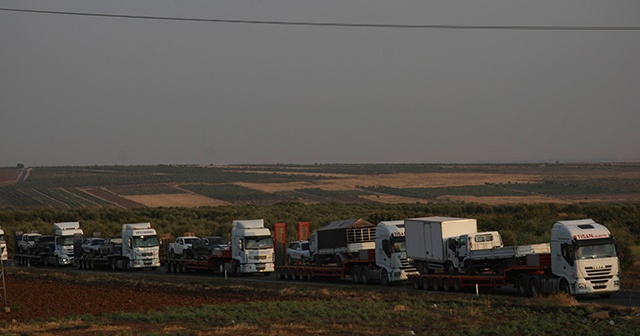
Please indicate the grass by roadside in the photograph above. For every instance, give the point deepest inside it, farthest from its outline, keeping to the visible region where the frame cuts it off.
(320, 310)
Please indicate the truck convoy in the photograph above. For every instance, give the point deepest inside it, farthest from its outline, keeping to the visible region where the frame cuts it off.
(64, 240)
(251, 251)
(139, 249)
(581, 259)
(439, 253)
(355, 248)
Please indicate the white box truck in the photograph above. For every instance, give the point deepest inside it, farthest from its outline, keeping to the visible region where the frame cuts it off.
(426, 240)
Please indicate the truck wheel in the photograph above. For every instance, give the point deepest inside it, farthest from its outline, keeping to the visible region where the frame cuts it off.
(309, 274)
(564, 286)
(384, 277)
(287, 273)
(534, 286)
(114, 265)
(417, 284)
(457, 287)
(364, 275)
(521, 285)
(446, 286)
(425, 283)
(435, 283)
(354, 274)
(279, 273)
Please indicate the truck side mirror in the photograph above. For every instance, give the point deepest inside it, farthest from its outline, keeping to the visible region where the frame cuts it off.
(240, 244)
(129, 243)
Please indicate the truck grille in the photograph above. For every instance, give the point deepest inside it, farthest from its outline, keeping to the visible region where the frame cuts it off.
(147, 254)
(599, 276)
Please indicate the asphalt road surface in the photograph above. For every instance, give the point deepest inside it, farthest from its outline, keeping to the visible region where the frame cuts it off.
(622, 298)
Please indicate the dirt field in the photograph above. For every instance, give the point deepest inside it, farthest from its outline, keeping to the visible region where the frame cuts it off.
(94, 293)
(179, 200)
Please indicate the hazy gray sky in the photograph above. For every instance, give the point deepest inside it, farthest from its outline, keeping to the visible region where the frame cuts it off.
(83, 90)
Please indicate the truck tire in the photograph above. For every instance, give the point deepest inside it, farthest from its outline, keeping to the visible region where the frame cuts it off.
(384, 277)
(534, 286)
(426, 283)
(416, 282)
(309, 274)
(355, 278)
(364, 275)
(457, 286)
(563, 287)
(279, 273)
(446, 285)
(522, 285)
(435, 284)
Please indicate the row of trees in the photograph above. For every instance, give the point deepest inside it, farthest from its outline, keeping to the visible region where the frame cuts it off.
(518, 224)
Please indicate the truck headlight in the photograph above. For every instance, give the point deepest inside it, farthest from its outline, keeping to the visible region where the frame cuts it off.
(616, 283)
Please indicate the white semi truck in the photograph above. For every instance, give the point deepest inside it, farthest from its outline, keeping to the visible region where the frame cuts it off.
(251, 251)
(66, 239)
(251, 247)
(140, 249)
(66, 235)
(581, 260)
(383, 260)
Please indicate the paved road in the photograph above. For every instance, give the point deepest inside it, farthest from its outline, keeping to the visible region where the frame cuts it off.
(623, 298)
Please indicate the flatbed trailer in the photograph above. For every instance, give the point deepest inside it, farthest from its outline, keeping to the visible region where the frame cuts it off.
(310, 272)
(115, 262)
(218, 263)
(530, 278)
(362, 271)
(44, 259)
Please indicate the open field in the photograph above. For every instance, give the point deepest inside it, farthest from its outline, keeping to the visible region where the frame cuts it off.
(193, 186)
(57, 303)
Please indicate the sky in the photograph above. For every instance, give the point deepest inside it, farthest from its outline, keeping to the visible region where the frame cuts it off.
(89, 90)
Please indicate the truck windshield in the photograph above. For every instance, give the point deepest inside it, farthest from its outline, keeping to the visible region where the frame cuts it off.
(145, 241)
(254, 243)
(399, 244)
(66, 240)
(596, 251)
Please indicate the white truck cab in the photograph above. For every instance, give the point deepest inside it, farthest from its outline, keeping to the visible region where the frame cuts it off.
(65, 237)
(391, 251)
(140, 246)
(252, 246)
(584, 257)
